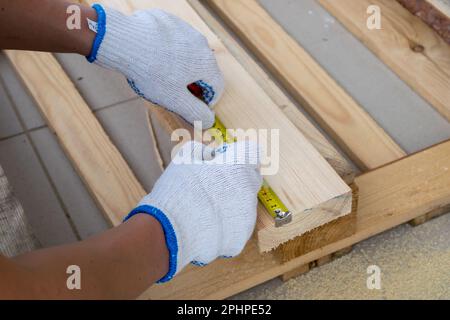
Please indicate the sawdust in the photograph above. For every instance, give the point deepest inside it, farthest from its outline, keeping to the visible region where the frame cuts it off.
(414, 263)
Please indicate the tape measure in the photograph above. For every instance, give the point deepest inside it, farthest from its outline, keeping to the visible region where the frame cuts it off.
(266, 195)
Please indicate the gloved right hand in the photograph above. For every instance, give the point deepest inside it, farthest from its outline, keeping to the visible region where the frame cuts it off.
(206, 202)
(161, 55)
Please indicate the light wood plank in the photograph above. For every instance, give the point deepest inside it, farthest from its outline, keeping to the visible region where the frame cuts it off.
(314, 239)
(341, 165)
(305, 182)
(412, 50)
(103, 169)
(329, 233)
(389, 196)
(301, 270)
(430, 215)
(334, 109)
(318, 237)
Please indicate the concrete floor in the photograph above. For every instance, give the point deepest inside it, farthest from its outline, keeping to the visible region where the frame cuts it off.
(414, 262)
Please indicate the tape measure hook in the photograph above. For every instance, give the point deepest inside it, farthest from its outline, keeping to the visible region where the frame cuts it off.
(282, 218)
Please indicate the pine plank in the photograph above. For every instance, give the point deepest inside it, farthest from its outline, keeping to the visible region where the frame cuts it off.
(332, 107)
(319, 191)
(430, 215)
(318, 237)
(341, 165)
(333, 231)
(389, 196)
(301, 270)
(417, 54)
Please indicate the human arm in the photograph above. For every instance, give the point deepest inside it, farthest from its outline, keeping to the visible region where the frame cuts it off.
(203, 207)
(117, 264)
(159, 54)
(41, 25)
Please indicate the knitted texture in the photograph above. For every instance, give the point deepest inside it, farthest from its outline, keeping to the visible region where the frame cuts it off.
(210, 200)
(16, 236)
(161, 55)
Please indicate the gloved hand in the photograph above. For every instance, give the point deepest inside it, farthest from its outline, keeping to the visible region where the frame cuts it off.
(207, 208)
(160, 55)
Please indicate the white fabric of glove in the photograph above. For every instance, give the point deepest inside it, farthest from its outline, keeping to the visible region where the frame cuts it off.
(161, 55)
(207, 208)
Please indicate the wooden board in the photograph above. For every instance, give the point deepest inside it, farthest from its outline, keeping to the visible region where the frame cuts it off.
(430, 215)
(389, 196)
(318, 237)
(317, 139)
(305, 182)
(335, 110)
(171, 122)
(329, 233)
(294, 273)
(407, 45)
(435, 13)
(103, 169)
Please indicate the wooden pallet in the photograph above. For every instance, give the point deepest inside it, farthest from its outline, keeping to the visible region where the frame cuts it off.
(430, 215)
(314, 264)
(243, 16)
(417, 54)
(410, 187)
(325, 100)
(389, 196)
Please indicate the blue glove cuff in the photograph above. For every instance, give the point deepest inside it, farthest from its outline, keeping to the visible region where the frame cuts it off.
(101, 22)
(169, 233)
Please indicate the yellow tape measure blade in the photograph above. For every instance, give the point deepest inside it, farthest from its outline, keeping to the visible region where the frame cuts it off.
(274, 205)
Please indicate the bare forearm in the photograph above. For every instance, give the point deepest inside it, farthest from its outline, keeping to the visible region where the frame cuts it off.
(41, 25)
(118, 264)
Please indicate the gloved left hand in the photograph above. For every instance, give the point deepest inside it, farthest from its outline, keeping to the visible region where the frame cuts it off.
(160, 55)
(206, 203)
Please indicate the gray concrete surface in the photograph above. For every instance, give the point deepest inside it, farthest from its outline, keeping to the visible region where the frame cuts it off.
(414, 261)
(408, 119)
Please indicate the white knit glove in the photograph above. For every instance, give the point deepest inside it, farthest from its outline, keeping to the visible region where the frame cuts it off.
(160, 55)
(207, 208)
